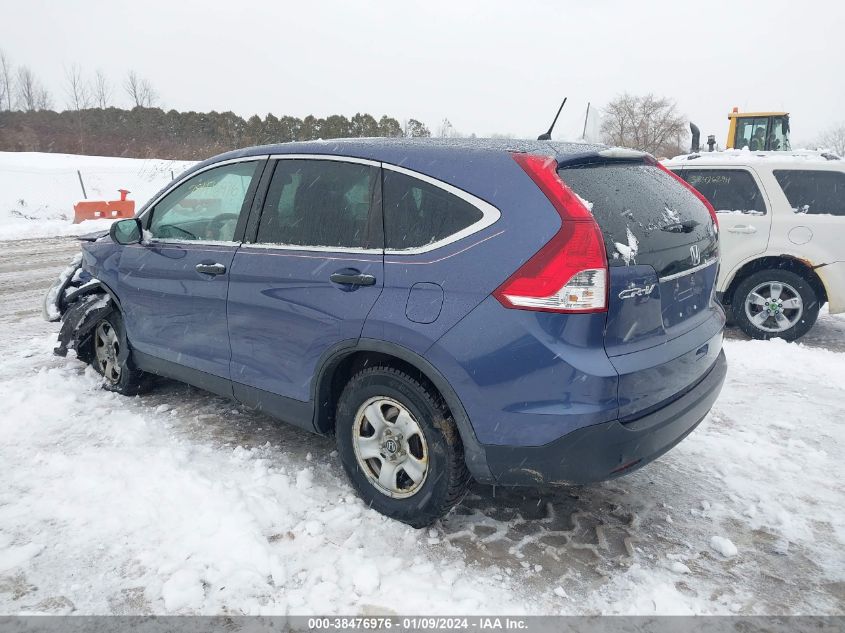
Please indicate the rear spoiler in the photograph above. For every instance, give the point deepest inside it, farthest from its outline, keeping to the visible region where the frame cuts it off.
(612, 154)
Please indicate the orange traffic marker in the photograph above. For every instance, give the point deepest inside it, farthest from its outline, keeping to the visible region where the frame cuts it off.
(104, 209)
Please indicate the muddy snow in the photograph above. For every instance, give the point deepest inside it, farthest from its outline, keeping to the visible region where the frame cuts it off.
(182, 502)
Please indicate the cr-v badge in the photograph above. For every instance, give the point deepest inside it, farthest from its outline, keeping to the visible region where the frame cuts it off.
(637, 291)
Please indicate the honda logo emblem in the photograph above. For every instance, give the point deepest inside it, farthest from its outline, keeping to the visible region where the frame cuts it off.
(694, 255)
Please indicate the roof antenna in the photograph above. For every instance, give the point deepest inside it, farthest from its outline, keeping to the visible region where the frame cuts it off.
(548, 135)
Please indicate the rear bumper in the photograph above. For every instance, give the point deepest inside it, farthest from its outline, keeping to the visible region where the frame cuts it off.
(833, 278)
(610, 449)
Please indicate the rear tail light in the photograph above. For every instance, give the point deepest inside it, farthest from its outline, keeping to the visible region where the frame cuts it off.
(569, 274)
(695, 191)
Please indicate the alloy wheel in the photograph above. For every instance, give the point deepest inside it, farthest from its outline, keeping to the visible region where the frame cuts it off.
(774, 306)
(106, 350)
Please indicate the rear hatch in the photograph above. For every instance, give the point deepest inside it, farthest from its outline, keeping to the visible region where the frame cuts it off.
(663, 326)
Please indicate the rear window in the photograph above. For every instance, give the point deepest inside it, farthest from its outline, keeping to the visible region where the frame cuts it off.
(813, 191)
(646, 215)
(728, 190)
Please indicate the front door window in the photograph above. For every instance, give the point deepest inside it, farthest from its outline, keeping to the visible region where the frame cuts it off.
(206, 207)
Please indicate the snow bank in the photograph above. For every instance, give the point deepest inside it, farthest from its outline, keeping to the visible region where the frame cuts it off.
(127, 503)
(38, 190)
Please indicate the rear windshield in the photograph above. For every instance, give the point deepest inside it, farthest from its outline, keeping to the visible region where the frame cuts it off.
(646, 215)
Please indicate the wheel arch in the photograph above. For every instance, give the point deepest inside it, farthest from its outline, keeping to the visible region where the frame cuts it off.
(783, 262)
(341, 362)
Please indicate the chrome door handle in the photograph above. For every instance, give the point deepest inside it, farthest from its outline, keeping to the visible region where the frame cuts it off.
(742, 228)
(210, 269)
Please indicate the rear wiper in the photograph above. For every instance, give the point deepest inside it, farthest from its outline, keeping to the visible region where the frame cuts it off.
(687, 226)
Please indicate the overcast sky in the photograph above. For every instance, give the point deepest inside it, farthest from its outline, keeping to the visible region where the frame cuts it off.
(490, 67)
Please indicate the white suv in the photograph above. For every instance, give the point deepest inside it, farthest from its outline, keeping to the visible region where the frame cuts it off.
(782, 232)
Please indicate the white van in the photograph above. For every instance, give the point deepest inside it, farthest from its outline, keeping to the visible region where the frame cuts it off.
(782, 233)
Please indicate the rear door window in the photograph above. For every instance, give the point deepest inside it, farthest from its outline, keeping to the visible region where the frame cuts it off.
(321, 204)
(419, 214)
(813, 191)
(728, 190)
(646, 215)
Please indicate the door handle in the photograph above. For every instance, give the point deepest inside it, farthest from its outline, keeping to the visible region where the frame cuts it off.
(742, 228)
(352, 277)
(210, 269)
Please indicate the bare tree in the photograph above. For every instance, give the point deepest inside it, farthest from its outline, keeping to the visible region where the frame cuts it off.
(31, 94)
(102, 90)
(6, 86)
(446, 128)
(78, 90)
(140, 91)
(834, 138)
(79, 99)
(647, 123)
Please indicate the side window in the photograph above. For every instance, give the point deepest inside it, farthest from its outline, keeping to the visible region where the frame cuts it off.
(417, 213)
(205, 207)
(321, 203)
(813, 191)
(728, 190)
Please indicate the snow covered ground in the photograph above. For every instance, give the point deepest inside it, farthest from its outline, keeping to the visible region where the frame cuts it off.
(182, 502)
(52, 188)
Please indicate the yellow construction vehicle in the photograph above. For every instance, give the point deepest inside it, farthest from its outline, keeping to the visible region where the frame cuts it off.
(758, 131)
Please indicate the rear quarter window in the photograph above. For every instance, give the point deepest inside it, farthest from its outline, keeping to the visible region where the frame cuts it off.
(813, 191)
(728, 190)
(417, 214)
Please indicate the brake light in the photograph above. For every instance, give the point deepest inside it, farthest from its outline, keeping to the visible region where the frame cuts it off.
(569, 274)
(695, 191)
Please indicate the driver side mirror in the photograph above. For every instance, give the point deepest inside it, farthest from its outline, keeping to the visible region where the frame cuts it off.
(126, 231)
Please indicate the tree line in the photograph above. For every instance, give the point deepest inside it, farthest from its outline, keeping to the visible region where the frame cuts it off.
(153, 133)
(91, 124)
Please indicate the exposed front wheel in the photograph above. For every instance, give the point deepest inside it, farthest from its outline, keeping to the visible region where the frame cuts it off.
(111, 359)
(775, 304)
(399, 446)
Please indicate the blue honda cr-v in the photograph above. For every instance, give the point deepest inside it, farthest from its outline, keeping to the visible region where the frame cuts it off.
(523, 313)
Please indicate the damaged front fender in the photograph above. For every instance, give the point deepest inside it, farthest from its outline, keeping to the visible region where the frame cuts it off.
(78, 323)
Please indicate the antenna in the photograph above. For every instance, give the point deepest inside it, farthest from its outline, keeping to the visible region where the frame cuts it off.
(548, 135)
(586, 116)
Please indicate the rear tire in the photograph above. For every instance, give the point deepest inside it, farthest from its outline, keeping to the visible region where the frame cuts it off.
(110, 357)
(775, 303)
(399, 446)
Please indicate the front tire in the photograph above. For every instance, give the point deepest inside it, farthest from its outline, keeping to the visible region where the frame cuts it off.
(775, 304)
(399, 446)
(109, 355)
